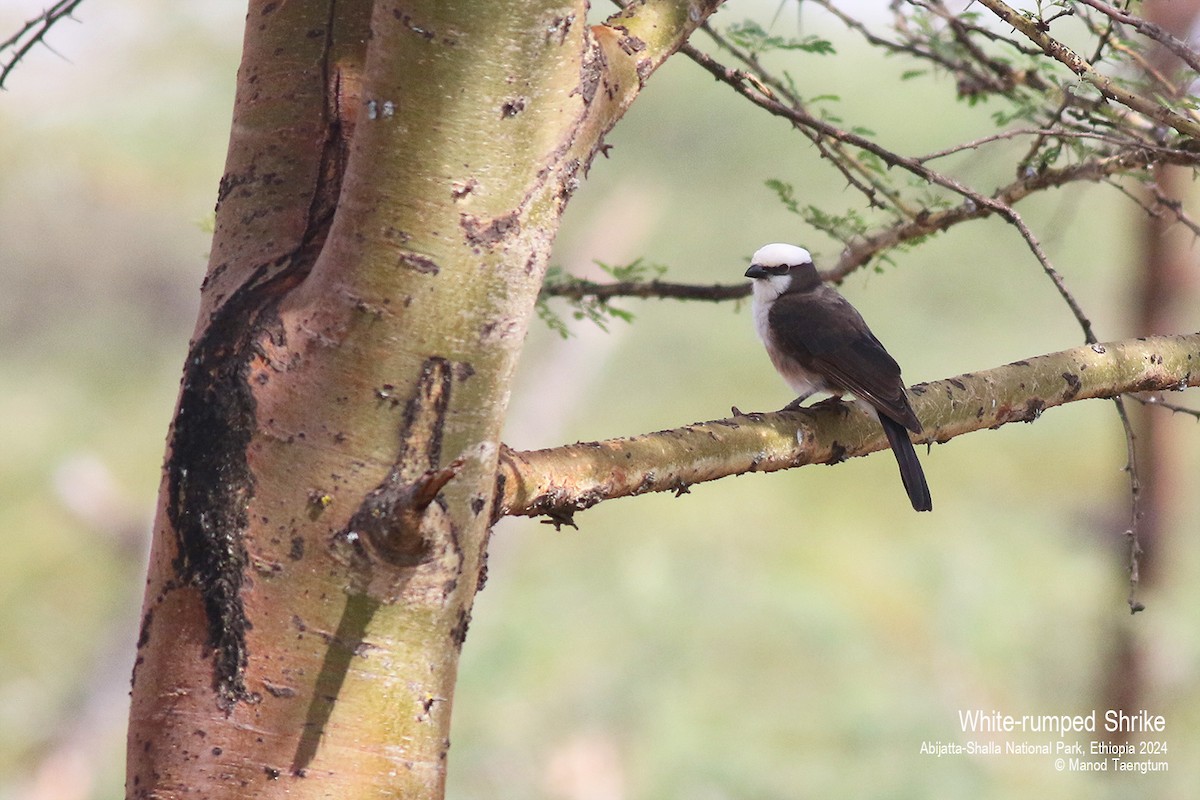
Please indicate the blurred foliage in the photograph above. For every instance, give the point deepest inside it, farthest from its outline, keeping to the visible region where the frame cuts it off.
(751, 35)
(793, 635)
(597, 310)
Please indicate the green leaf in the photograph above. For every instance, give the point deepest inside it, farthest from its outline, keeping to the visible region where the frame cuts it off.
(751, 36)
(550, 319)
(786, 194)
(635, 270)
(842, 227)
(599, 311)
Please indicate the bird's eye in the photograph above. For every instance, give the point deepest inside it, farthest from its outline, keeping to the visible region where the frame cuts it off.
(782, 269)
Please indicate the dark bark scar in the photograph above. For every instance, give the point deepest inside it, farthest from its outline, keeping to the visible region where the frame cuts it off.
(485, 232)
(209, 481)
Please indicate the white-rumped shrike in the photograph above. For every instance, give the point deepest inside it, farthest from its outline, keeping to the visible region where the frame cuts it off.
(818, 342)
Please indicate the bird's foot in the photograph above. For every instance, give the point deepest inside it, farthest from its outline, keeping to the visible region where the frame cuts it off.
(835, 403)
(798, 403)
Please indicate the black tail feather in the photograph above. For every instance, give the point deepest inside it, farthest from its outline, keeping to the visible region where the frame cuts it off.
(910, 468)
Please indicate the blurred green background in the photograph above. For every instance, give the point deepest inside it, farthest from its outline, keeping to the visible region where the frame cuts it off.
(785, 636)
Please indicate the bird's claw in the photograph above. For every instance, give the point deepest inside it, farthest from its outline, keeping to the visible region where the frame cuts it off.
(836, 403)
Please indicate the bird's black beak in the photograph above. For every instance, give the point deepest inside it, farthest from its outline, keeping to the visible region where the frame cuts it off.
(756, 271)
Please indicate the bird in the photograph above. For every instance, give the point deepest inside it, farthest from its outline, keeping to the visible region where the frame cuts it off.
(818, 342)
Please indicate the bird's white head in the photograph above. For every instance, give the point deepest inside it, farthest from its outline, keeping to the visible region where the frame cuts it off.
(781, 255)
(773, 268)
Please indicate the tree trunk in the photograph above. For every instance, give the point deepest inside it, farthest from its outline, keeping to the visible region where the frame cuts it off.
(394, 183)
(1164, 290)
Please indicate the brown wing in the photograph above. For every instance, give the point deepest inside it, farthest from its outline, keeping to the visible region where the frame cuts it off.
(828, 336)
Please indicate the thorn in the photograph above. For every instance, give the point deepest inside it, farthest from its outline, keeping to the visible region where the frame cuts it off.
(426, 487)
(560, 517)
(753, 415)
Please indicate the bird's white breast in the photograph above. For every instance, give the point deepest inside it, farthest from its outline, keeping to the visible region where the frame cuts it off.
(765, 292)
(763, 295)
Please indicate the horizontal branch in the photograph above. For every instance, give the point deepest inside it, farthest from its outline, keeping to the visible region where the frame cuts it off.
(562, 480)
(579, 289)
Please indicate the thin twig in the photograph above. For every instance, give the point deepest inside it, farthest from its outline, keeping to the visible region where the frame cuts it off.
(775, 88)
(1162, 205)
(1132, 533)
(39, 26)
(1060, 133)
(1035, 247)
(1155, 400)
(1150, 30)
(1175, 207)
(911, 49)
(975, 204)
(803, 118)
(938, 8)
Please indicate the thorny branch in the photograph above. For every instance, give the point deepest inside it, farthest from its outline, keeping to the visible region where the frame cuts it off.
(1036, 31)
(1123, 129)
(1123, 154)
(1135, 505)
(32, 33)
(1160, 206)
(974, 205)
(1156, 400)
(1149, 29)
(1120, 144)
(1130, 151)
